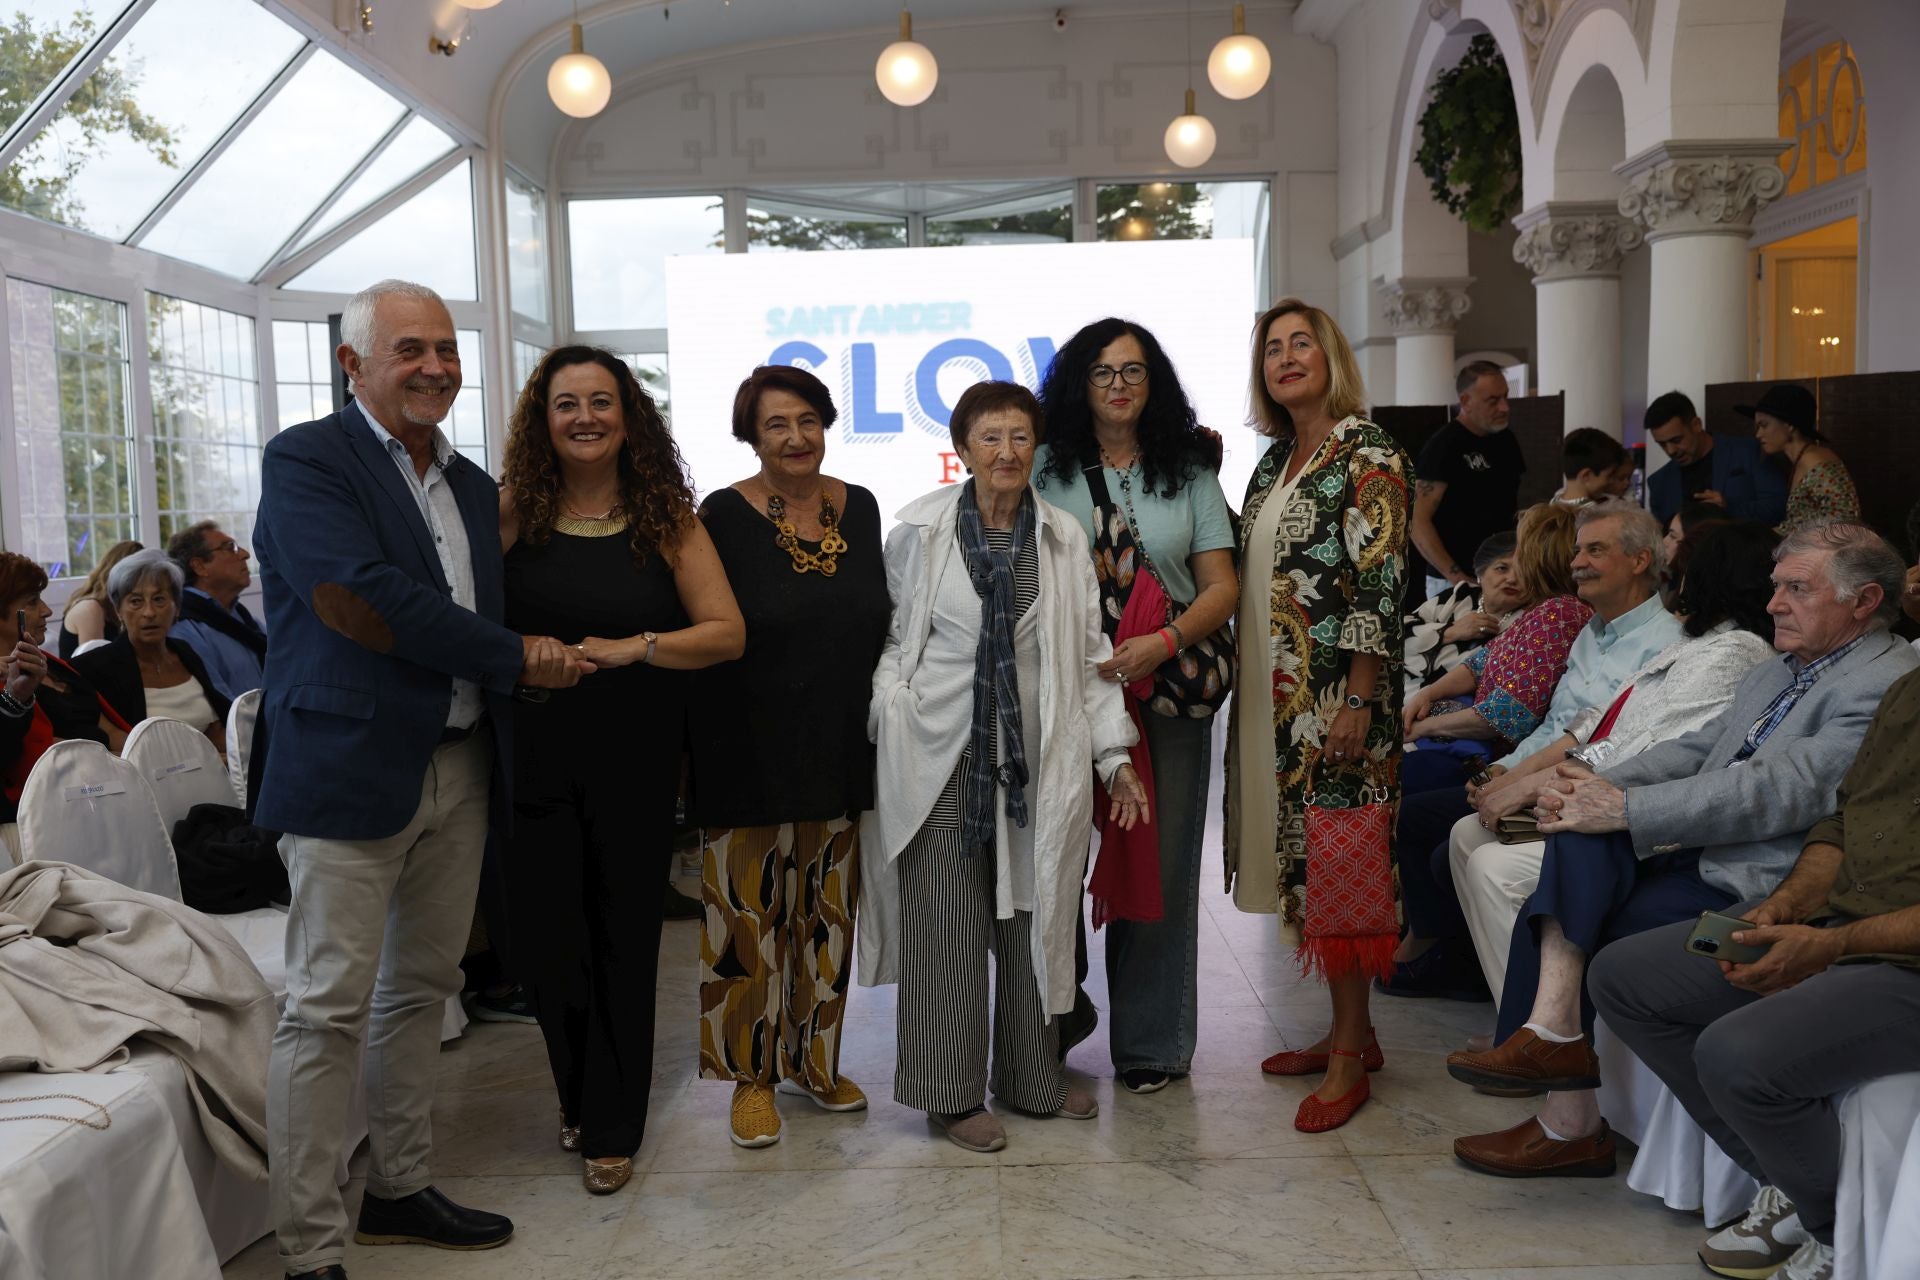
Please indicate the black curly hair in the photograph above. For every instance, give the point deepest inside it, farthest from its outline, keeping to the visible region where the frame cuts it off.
(1728, 577)
(1173, 444)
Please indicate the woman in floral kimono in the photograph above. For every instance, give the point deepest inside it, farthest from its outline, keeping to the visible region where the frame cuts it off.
(1316, 710)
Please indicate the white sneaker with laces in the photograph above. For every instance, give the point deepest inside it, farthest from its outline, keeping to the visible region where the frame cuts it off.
(1759, 1244)
(1811, 1261)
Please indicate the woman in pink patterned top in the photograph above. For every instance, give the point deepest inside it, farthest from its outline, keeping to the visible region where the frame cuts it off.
(1511, 679)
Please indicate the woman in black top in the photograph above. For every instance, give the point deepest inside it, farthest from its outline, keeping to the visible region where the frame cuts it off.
(782, 768)
(604, 552)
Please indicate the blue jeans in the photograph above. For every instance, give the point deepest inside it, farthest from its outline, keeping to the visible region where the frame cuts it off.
(1153, 969)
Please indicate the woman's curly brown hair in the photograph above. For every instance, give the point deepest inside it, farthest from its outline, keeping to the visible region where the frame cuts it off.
(655, 495)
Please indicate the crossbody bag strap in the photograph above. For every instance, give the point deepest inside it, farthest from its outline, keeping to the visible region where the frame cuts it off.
(1174, 606)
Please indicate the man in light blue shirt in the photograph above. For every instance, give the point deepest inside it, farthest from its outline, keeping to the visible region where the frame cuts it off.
(220, 629)
(1617, 563)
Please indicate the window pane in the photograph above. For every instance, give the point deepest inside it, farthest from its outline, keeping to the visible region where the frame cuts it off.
(1187, 211)
(43, 37)
(777, 226)
(651, 368)
(619, 251)
(183, 75)
(428, 239)
(1043, 218)
(526, 357)
(303, 371)
(296, 151)
(72, 434)
(527, 249)
(205, 446)
(466, 425)
(420, 143)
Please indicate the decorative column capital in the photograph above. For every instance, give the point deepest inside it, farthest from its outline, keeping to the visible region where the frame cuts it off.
(1424, 306)
(1568, 240)
(1706, 187)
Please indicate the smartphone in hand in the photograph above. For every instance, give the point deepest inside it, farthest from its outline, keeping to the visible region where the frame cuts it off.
(1713, 938)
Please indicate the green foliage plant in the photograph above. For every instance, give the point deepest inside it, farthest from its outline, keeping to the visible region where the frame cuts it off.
(1470, 139)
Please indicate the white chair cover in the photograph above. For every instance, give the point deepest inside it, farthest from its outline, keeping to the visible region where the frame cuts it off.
(88, 646)
(240, 720)
(84, 805)
(181, 765)
(1677, 1160)
(1876, 1225)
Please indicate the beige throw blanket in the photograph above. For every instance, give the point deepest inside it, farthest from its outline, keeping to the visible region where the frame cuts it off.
(87, 964)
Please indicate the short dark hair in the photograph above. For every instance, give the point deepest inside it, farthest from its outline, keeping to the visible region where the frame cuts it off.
(1464, 380)
(1495, 546)
(1725, 572)
(778, 377)
(19, 577)
(1590, 449)
(990, 397)
(1665, 408)
(1695, 516)
(190, 544)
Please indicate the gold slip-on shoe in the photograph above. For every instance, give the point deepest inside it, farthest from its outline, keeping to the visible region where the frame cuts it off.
(603, 1178)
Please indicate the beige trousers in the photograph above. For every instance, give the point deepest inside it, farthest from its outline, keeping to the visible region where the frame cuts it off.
(375, 932)
(1493, 881)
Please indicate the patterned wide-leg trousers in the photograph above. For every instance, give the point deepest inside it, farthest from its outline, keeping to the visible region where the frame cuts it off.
(777, 950)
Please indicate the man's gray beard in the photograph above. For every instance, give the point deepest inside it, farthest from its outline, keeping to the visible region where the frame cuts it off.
(1495, 428)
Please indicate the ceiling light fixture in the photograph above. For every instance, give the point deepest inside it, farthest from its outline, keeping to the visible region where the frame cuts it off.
(577, 81)
(476, 4)
(1190, 138)
(906, 71)
(1239, 65)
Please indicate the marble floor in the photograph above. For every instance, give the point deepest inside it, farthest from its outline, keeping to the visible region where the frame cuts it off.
(1206, 1178)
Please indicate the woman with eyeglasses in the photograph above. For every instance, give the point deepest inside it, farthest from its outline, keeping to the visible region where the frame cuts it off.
(1126, 457)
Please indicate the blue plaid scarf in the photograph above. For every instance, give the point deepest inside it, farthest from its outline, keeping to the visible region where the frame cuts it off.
(996, 682)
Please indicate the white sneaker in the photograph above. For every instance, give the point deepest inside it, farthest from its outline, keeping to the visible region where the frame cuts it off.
(1760, 1243)
(1811, 1261)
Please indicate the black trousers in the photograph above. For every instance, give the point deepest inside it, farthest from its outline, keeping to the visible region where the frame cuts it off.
(1421, 838)
(587, 868)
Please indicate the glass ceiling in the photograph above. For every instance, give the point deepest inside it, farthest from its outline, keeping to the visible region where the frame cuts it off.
(212, 131)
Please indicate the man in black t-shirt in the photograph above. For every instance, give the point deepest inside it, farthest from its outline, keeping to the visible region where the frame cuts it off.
(1468, 485)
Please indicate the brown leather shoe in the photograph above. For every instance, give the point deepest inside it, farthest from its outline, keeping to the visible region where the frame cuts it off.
(1527, 1060)
(1525, 1151)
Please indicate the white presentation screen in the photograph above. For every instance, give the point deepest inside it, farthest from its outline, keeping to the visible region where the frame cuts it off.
(898, 334)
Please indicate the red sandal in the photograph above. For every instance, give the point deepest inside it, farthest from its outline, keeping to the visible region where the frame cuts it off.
(1319, 1116)
(1298, 1062)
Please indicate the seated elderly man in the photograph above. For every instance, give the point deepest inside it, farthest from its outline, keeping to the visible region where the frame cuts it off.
(226, 635)
(1756, 1052)
(1696, 823)
(1617, 564)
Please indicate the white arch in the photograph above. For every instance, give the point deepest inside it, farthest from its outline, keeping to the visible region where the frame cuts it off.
(1585, 129)
(1739, 99)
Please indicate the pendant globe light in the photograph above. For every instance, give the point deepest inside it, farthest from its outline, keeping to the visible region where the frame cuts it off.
(906, 70)
(577, 81)
(1239, 65)
(476, 4)
(1190, 137)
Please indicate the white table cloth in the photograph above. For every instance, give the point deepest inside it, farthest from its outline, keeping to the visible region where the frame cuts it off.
(1876, 1226)
(77, 1204)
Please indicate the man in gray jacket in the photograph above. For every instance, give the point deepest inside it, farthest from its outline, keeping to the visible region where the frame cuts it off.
(1699, 823)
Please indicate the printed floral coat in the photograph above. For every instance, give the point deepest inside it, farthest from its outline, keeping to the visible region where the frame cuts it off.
(1339, 571)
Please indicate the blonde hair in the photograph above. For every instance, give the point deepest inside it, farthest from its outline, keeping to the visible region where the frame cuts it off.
(1543, 553)
(1346, 393)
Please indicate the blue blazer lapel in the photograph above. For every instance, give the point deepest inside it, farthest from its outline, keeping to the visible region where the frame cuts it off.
(386, 477)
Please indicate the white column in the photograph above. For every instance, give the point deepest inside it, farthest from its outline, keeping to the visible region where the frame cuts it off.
(1696, 201)
(1422, 314)
(1574, 252)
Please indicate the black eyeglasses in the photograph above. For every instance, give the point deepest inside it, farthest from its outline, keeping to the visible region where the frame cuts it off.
(1133, 373)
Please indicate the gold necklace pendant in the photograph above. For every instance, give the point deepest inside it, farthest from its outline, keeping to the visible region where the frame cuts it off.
(826, 564)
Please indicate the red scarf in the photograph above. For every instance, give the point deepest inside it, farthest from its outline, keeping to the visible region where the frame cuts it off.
(39, 738)
(1126, 875)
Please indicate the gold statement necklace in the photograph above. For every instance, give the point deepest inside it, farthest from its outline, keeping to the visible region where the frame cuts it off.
(827, 562)
(573, 523)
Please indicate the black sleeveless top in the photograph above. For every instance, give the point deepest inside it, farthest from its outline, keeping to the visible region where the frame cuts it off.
(572, 587)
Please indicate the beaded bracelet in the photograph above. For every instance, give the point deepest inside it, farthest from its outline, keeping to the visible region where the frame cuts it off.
(1178, 635)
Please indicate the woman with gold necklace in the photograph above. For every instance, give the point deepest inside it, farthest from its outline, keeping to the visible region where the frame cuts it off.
(782, 768)
(603, 550)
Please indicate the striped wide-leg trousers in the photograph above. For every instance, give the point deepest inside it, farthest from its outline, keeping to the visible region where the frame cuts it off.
(947, 926)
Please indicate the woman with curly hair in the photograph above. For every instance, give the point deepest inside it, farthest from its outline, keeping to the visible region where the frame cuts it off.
(1126, 457)
(1316, 719)
(604, 552)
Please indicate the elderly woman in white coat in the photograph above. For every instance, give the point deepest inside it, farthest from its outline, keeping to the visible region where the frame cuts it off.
(992, 718)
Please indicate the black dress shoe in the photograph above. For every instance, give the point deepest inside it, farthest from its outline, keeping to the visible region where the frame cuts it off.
(428, 1217)
(1436, 974)
(1077, 1023)
(332, 1271)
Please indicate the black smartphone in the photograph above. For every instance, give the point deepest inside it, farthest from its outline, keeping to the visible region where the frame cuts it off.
(1713, 938)
(20, 625)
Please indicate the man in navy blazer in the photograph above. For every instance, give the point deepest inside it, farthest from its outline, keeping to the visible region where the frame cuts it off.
(1728, 471)
(381, 751)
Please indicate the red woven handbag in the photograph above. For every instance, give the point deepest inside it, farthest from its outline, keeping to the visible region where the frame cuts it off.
(1351, 922)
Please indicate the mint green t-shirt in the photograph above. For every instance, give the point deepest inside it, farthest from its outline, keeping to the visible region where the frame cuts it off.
(1193, 520)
